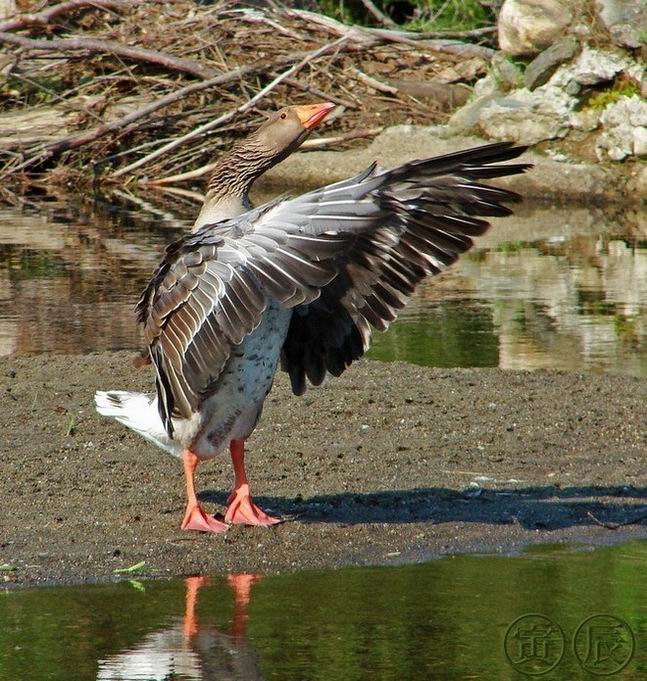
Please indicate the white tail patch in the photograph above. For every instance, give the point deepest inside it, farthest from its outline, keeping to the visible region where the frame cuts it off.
(139, 413)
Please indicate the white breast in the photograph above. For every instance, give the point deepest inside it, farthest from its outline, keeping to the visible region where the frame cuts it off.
(233, 410)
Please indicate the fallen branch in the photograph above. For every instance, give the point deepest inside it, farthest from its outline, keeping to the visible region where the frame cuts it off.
(105, 46)
(230, 114)
(43, 18)
(375, 84)
(373, 36)
(378, 14)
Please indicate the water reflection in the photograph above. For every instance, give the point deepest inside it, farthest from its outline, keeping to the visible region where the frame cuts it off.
(190, 649)
(552, 287)
(441, 621)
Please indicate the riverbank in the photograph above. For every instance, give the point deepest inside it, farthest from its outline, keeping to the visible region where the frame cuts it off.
(570, 181)
(389, 463)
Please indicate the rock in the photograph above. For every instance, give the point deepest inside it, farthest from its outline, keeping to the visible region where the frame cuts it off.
(526, 27)
(506, 73)
(528, 117)
(467, 117)
(625, 20)
(591, 67)
(7, 8)
(542, 67)
(586, 121)
(624, 129)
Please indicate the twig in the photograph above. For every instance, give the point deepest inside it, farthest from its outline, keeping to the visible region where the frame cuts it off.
(378, 14)
(306, 87)
(321, 142)
(373, 36)
(229, 115)
(43, 18)
(187, 193)
(93, 45)
(375, 84)
(615, 526)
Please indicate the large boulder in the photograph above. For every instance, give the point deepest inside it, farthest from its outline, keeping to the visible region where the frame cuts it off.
(526, 27)
(528, 116)
(626, 20)
(625, 129)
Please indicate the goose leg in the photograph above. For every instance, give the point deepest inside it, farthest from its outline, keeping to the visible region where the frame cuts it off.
(195, 517)
(241, 509)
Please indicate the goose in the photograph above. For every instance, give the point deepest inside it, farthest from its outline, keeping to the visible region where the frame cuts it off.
(297, 282)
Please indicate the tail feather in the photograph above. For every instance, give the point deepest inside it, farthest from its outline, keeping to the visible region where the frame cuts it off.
(138, 412)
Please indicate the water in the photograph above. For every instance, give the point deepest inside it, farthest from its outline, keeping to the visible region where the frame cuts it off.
(551, 287)
(444, 620)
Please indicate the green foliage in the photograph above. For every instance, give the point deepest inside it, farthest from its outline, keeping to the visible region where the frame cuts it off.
(422, 15)
(620, 88)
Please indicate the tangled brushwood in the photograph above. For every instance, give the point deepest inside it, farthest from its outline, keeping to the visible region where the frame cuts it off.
(139, 91)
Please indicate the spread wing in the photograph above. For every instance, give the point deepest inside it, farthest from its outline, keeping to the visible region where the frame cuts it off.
(210, 291)
(424, 216)
(346, 257)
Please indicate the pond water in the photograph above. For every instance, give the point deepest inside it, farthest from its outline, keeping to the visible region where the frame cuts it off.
(551, 287)
(453, 619)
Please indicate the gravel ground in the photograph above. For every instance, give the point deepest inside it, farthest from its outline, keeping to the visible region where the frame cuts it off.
(389, 463)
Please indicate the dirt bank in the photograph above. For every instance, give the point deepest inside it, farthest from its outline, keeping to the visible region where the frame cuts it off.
(571, 181)
(391, 462)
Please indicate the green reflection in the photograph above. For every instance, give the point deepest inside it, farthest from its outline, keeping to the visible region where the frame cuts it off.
(454, 333)
(441, 620)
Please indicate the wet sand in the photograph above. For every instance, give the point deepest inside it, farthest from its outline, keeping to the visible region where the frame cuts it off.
(389, 463)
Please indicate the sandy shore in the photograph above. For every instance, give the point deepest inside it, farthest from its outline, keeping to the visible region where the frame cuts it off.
(389, 463)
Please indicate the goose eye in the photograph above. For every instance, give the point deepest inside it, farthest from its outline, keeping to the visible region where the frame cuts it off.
(284, 115)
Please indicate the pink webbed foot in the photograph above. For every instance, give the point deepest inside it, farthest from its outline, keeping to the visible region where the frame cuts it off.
(196, 518)
(243, 511)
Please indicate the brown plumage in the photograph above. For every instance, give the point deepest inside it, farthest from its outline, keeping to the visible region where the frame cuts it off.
(302, 282)
(344, 258)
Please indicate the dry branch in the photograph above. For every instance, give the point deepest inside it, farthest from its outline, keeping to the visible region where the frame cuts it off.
(230, 114)
(110, 47)
(23, 21)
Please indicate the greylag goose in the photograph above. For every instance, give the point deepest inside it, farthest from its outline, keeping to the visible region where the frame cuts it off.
(301, 281)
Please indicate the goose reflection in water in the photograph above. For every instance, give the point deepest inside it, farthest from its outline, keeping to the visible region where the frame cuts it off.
(189, 651)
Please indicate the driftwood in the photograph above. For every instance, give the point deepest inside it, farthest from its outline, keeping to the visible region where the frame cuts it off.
(23, 21)
(110, 47)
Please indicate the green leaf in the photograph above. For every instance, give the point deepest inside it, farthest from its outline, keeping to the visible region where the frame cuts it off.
(133, 568)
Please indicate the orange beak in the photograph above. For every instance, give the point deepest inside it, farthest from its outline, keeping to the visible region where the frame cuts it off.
(312, 114)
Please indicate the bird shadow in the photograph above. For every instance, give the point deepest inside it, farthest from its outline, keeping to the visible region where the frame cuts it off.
(538, 507)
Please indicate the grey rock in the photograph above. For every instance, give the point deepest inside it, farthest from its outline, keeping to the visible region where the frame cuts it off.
(624, 130)
(466, 118)
(592, 66)
(624, 19)
(586, 121)
(507, 74)
(542, 67)
(526, 27)
(528, 116)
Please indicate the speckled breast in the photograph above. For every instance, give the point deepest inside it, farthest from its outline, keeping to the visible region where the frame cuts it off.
(235, 407)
